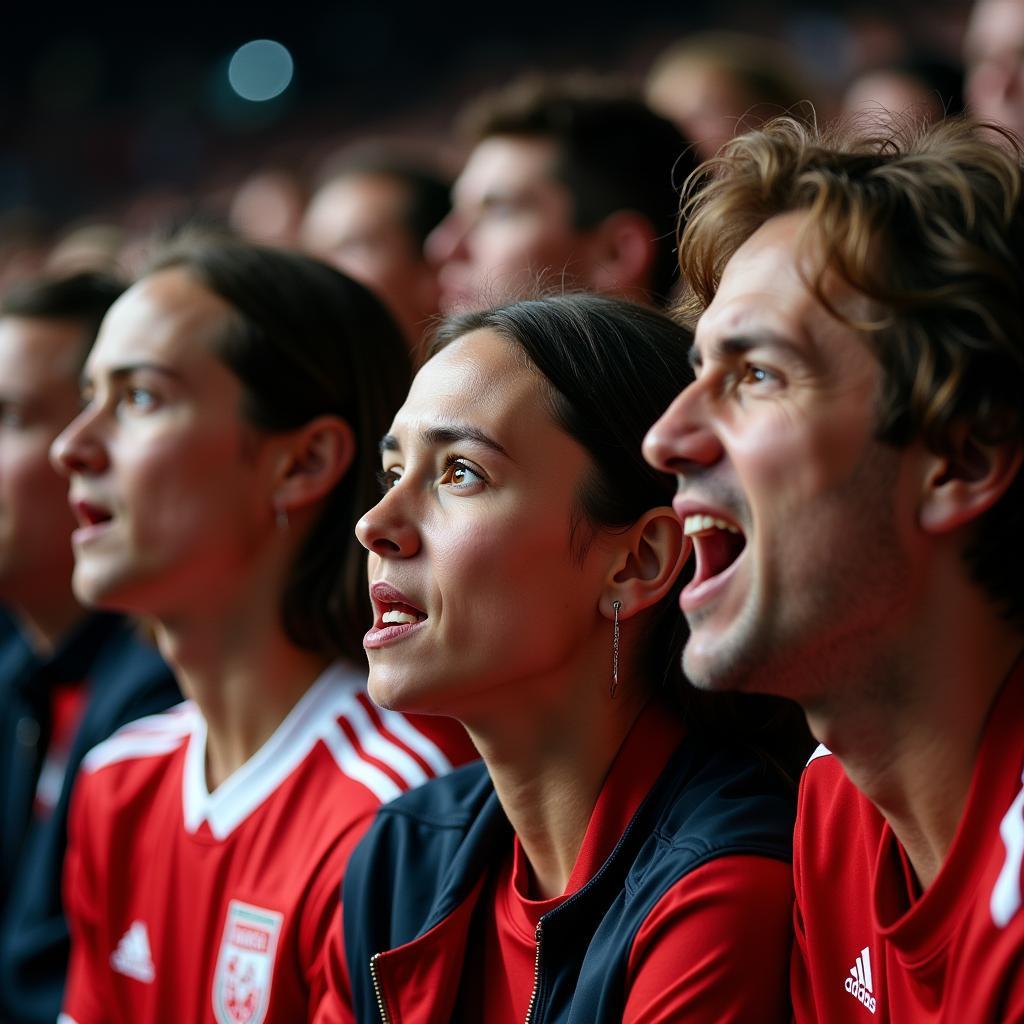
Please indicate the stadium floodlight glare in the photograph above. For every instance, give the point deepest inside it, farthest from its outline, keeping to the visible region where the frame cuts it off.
(260, 70)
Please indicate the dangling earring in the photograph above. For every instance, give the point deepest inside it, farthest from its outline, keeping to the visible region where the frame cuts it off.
(616, 605)
(281, 518)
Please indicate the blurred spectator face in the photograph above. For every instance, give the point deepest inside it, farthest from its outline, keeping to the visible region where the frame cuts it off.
(703, 100)
(885, 93)
(267, 209)
(995, 62)
(511, 226)
(39, 362)
(358, 224)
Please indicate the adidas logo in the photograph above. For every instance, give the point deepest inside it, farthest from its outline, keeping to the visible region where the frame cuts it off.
(132, 956)
(859, 983)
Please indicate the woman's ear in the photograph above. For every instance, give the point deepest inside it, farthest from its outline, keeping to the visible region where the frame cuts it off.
(967, 480)
(314, 459)
(649, 557)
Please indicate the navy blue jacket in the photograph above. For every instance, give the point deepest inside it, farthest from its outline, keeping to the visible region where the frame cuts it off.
(126, 680)
(422, 865)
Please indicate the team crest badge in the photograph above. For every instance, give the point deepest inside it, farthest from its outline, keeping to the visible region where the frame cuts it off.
(245, 964)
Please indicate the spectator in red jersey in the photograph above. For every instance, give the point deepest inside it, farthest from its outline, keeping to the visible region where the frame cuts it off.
(68, 677)
(849, 469)
(606, 860)
(233, 403)
(370, 219)
(569, 184)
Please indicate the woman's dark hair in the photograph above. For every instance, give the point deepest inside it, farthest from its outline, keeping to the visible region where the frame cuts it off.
(308, 341)
(612, 369)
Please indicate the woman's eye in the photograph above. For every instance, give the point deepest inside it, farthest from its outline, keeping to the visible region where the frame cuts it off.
(459, 476)
(387, 478)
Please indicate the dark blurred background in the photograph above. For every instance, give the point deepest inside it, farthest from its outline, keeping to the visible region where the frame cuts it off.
(128, 113)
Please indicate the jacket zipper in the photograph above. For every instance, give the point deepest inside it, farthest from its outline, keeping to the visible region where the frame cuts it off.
(536, 976)
(539, 933)
(376, 988)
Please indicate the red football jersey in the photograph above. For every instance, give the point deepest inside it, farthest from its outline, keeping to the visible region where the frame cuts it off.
(871, 948)
(186, 905)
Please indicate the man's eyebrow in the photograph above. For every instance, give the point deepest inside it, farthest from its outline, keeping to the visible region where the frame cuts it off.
(740, 344)
(435, 437)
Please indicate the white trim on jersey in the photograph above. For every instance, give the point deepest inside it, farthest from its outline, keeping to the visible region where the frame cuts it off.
(400, 726)
(820, 751)
(315, 718)
(147, 737)
(379, 747)
(1006, 893)
(383, 787)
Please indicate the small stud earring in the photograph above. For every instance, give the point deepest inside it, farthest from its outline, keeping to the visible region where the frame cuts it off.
(616, 605)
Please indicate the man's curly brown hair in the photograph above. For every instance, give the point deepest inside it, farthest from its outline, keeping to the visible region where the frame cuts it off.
(928, 223)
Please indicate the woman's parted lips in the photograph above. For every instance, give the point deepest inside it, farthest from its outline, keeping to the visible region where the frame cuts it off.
(387, 598)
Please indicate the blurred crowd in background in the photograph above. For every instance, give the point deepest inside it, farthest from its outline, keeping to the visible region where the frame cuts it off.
(118, 134)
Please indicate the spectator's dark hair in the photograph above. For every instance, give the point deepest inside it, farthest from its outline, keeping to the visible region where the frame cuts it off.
(427, 191)
(928, 222)
(614, 153)
(307, 341)
(82, 298)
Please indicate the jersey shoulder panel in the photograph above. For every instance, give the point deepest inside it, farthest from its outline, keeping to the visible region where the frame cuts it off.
(149, 737)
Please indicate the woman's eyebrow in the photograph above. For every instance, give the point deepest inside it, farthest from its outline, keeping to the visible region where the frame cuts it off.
(434, 437)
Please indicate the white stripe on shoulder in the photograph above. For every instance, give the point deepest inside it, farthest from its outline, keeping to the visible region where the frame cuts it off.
(63, 1018)
(379, 746)
(398, 724)
(148, 737)
(1006, 893)
(820, 751)
(355, 767)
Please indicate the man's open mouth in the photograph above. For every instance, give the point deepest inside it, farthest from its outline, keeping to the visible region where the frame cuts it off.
(717, 543)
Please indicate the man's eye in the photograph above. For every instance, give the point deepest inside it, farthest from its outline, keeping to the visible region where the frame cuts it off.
(757, 375)
(11, 416)
(387, 478)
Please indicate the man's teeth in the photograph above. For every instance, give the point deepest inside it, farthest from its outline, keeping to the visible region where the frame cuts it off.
(698, 524)
(397, 618)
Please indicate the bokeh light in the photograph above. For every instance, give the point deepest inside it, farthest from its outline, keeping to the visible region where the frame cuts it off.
(260, 70)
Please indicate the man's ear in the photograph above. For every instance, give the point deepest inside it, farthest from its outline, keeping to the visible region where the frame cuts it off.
(621, 251)
(315, 457)
(967, 480)
(648, 559)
